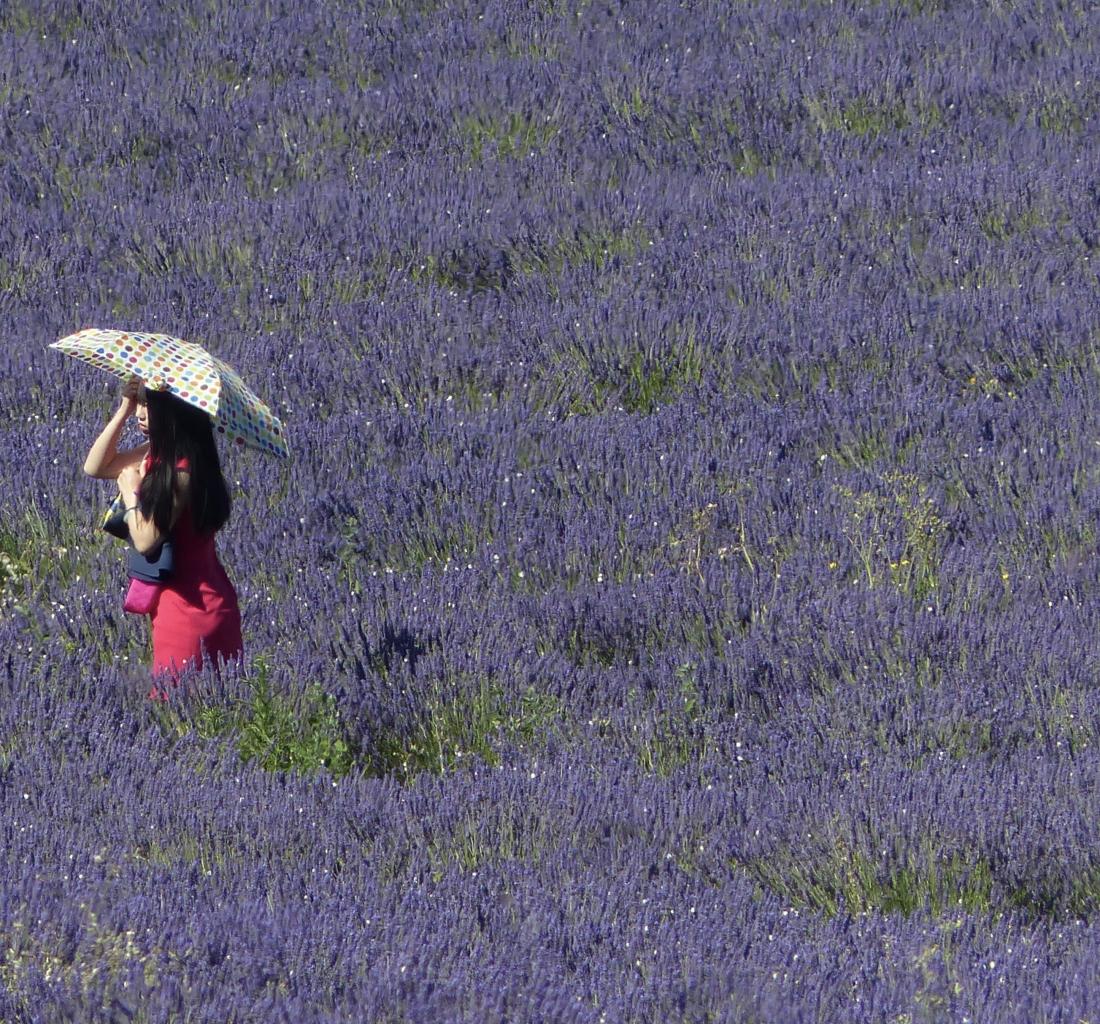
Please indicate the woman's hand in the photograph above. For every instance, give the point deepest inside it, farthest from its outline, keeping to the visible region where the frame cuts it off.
(104, 459)
(129, 481)
(128, 405)
(143, 532)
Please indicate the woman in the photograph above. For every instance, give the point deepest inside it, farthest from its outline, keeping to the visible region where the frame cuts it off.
(172, 485)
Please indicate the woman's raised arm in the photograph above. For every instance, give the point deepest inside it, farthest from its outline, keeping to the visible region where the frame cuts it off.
(104, 460)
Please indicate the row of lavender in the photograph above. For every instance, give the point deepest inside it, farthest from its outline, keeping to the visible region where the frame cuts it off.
(690, 534)
(572, 888)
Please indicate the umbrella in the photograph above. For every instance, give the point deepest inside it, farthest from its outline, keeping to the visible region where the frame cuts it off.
(187, 371)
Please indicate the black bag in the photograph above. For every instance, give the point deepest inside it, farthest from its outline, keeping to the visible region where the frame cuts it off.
(114, 520)
(155, 567)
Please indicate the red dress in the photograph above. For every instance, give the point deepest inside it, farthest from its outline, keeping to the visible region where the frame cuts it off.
(197, 609)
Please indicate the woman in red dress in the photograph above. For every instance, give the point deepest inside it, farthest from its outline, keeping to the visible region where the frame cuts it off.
(172, 486)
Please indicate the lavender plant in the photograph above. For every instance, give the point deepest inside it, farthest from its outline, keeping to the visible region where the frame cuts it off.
(680, 603)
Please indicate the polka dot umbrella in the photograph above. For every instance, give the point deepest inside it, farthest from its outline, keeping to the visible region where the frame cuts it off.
(188, 371)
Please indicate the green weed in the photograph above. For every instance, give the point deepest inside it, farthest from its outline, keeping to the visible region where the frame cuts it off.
(1061, 116)
(641, 381)
(511, 136)
(897, 536)
(595, 246)
(691, 541)
(1003, 223)
(859, 116)
(277, 732)
(629, 103)
(850, 881)
(678, 734)
(468, 726)
(471, 846)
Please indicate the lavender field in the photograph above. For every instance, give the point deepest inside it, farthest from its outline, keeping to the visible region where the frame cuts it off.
(682, 602)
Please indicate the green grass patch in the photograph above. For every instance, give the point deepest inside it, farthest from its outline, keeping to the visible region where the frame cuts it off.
(211, 853)
(693, 542)
(276, 731)
(678, 735)
(594, 246)
(629, 103)
(82, 960)
(492, 265)
(588, 380)
(42, 554)
(464, 726)
(916, 7)
(859, 116)
(1002, 222)
(22, 18)
(1061, 116)
(432, 543)
(471, 846)
(651, 382)
(1060, 898)
(510, 136)
(772, 377)
(849, 881)
(20, 277)
(864, 449)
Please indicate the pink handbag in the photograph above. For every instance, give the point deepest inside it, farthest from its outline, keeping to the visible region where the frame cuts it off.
(141, 598)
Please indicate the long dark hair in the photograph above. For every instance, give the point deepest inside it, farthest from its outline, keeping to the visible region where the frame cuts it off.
(179, 430)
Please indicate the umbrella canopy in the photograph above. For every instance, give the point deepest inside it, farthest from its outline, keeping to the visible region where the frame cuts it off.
(187, 371)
